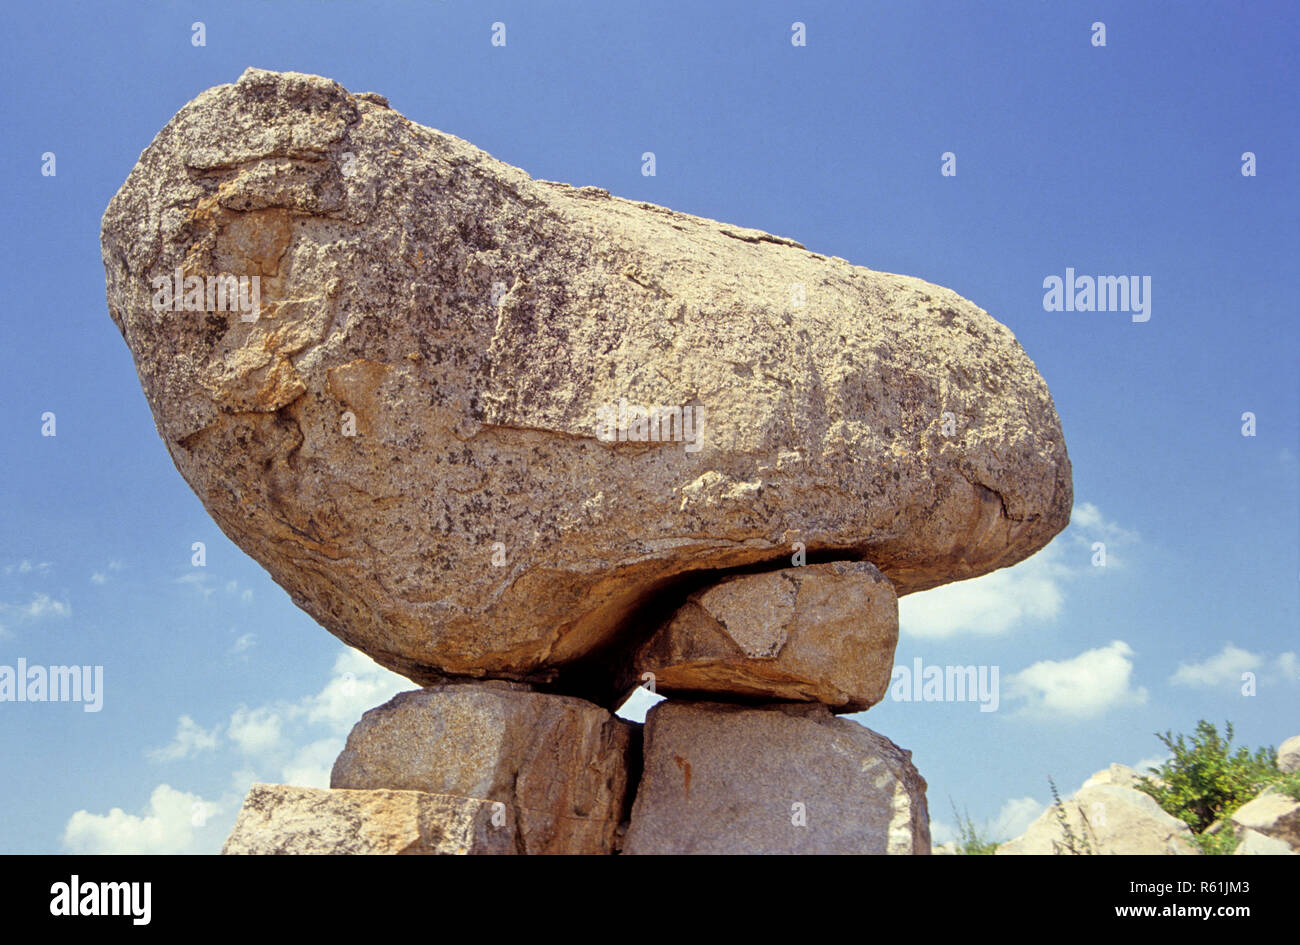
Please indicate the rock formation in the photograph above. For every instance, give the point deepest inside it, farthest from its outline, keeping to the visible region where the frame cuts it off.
(486, 427)
(558, 763)
(1107, 815)
(1270, 823)
(1288, 755)
(276, 819)
(821, 633)
(781, 779)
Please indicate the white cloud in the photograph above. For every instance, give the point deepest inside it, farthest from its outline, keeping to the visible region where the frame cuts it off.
(198, 580)
(1014, 818)
(1223, 668)
(100, 577)
(1089, 525)
(992, 604)
(357, 683)
(941, 832)
(245, 642)
(285, 742)
(1032, 591)
(190, 739)
(206, 585)
(288, 742)
(1086, 515)
(245, 595)
(257, 731)
(1010, 822)
(42, 605)
(1226, 668)
(1145, 765)
(311, 764)
(297, 742)
(1084, 686)
(28, 567)
(174, 822)
(1288, 667)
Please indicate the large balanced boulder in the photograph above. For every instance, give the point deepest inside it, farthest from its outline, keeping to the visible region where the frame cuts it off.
(473, 422)
(559, 764)
(724, 778)
(1108, 815)
(820, 633)
(277, 819)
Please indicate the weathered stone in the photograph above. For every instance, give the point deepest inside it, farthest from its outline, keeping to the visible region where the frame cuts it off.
(1254, 843)
(1273, 814)
(558, 763)
(407, 430)
(724, 778)
(1288, 755)
(1106, 816)
(1119, 776)
(824, 633)
(279, 819)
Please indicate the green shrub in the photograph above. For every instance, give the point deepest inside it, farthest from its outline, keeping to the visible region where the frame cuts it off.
(1220, 843)
(1289, 784)
(1206, 780)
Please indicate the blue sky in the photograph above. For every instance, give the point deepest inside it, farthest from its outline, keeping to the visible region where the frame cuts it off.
(1123, 159)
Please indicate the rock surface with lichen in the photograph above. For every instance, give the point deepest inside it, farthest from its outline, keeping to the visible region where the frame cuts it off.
(404, 433)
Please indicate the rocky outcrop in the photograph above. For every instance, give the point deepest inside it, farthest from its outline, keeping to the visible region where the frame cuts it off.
(822, 633)
(1288, 755)
(1106, 816)
(1271, 814)
(474, 422)
(1253, 843)
(276, 819)
(526, 443)
(793, 779)
(559, 764)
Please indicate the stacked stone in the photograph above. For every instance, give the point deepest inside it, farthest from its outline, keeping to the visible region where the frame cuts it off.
(507, 768)
(430, 427)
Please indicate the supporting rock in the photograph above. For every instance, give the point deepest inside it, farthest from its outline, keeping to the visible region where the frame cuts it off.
(722, 778)
(820, 633)
(558, 763)
(278, 819)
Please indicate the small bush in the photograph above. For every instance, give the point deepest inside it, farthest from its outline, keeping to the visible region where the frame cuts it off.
(1219, 843)
(1206, 780)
